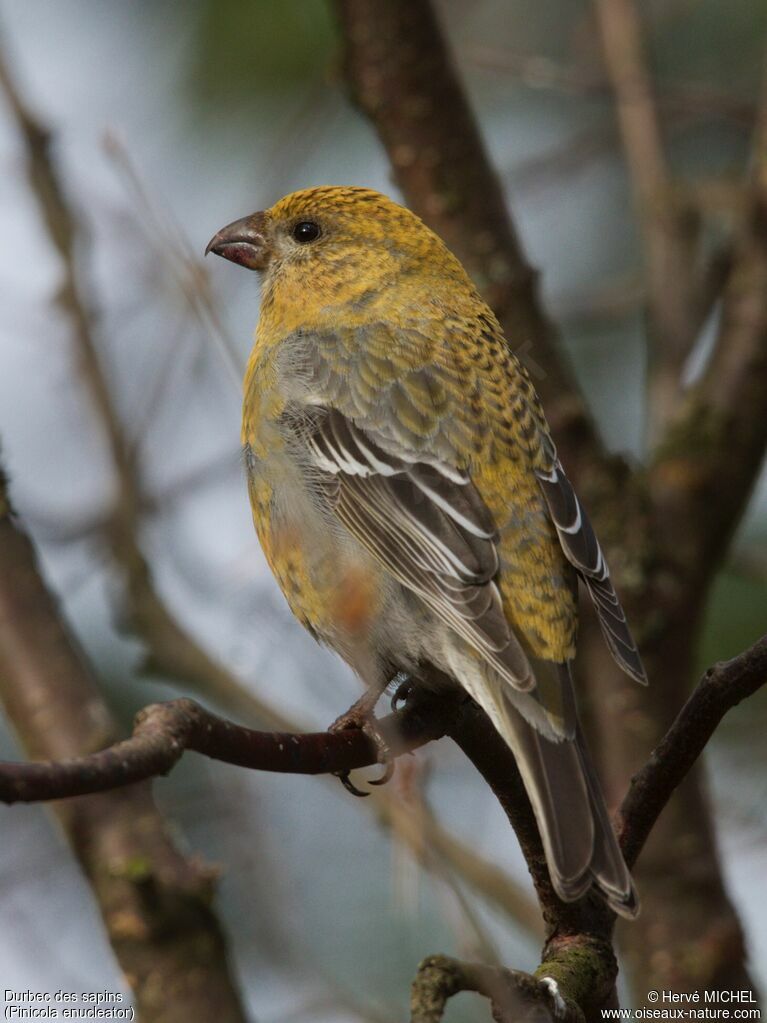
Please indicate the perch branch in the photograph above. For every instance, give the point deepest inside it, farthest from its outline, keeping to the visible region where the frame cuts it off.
(164, 731)
(577, 933)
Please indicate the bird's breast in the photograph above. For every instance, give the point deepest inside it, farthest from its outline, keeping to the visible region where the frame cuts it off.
(330, 582)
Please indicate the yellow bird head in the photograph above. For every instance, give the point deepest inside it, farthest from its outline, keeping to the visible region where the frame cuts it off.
(338, 241)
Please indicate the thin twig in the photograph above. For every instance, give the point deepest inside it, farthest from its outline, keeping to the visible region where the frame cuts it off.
(190, 274)
(693, 99)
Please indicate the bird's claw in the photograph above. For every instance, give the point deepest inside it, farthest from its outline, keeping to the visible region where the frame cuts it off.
(387, 775)
(348, 784)
(357, 718)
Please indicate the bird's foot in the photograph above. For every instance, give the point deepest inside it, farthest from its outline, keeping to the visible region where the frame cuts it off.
(360, 715)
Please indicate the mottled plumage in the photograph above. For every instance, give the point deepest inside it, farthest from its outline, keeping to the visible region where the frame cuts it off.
(409, 498)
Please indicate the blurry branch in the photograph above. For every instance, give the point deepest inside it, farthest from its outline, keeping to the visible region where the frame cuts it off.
(707, 463)
(536, 71)
(615, 299)
(428, 841)
(62, 231)
(679, 291)
(171, 244)
(172, 651)
(154, 901)
(759, 156)
(697, 100)
(402, 77)
(749, 563)
(311, 120)
(557, 165)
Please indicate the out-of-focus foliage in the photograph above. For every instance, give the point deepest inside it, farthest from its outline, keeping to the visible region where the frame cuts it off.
(251, 52)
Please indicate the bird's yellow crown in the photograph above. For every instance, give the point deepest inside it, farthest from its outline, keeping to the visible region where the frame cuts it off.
(365, 244)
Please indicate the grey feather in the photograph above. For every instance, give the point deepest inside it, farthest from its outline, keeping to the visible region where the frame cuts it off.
(435, 535)
(578, 839)
(582, 549)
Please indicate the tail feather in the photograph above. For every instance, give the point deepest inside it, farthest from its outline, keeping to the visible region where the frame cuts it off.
(560, 780)
(608, 865)
(560, 799)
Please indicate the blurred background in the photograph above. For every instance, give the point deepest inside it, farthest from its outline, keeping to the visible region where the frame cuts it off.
(168, 120)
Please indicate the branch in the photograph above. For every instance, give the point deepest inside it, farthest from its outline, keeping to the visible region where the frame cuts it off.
(678, 292)
(155, 902)
(715, 443)
(694, 100)
(722, 687)
(164, 731)
(515, 996)
(401, 75)
(621, 33)
(578, 934)
(430, 842)
(706, 465)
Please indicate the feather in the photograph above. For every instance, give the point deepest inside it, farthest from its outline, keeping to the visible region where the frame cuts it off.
(434, 534)
(580, 845)
(582, 549)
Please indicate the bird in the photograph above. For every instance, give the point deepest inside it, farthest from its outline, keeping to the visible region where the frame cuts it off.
(410, 501)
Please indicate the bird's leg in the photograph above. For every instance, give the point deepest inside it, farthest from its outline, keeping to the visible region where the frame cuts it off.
(360, 715)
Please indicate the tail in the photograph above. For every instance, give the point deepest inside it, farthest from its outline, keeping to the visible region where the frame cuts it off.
(561, 783)
(580, 845)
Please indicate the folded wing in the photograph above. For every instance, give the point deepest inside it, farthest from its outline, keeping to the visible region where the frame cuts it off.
(428, 525)
(582, 549)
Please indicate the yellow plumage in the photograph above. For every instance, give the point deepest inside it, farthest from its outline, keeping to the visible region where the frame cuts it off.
(408, 495)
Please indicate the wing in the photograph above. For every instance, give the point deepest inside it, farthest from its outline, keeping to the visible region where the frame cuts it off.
(427, 524)
(365, 378)
(582, 549)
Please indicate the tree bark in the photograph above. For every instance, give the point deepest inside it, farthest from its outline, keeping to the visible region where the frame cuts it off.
(156, 903)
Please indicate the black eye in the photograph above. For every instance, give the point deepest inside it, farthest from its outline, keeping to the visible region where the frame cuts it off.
(306, 231)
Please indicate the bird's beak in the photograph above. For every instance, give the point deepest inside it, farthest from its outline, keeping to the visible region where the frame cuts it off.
(244, 242)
